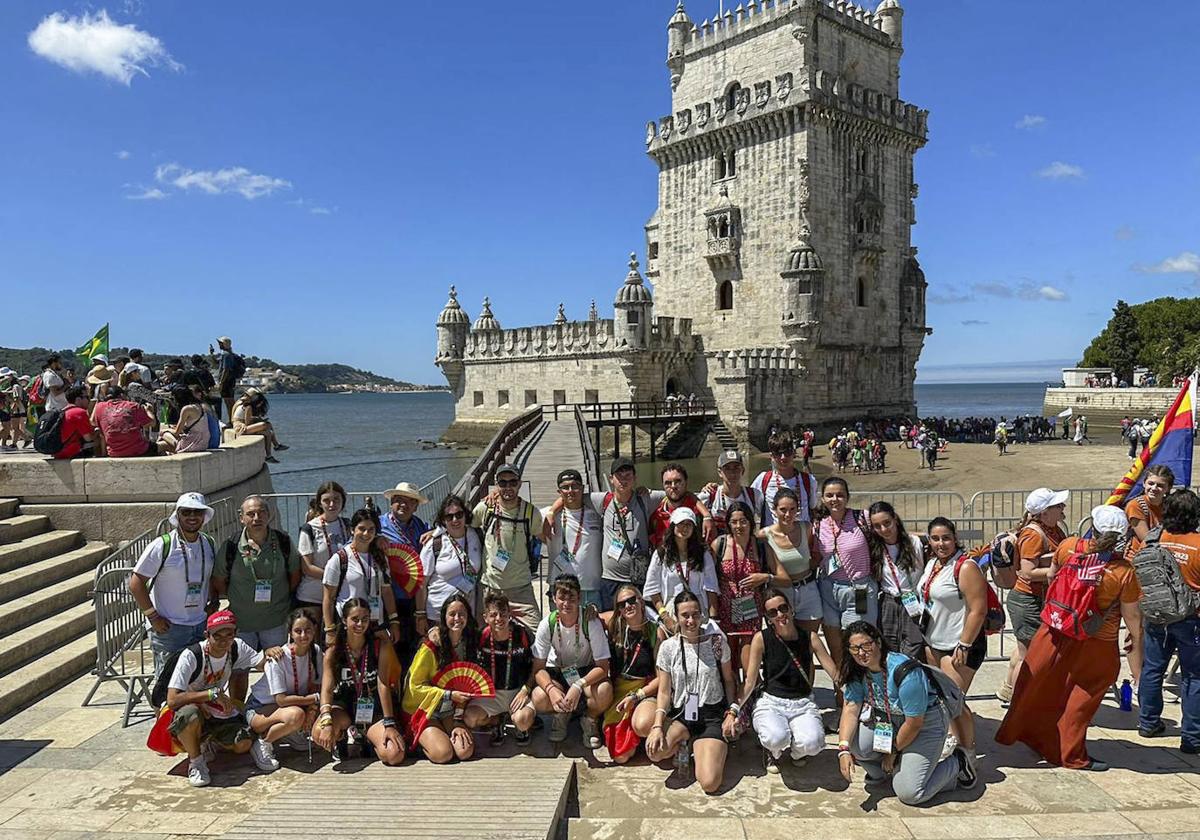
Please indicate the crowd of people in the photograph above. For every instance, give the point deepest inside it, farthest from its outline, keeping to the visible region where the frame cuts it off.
(123, 408)
(679, 621)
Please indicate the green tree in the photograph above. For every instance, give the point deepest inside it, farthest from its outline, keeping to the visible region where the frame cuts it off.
(1124, 341)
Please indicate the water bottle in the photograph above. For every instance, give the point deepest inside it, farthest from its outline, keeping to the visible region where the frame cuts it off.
(1126, 696)
(683, 761)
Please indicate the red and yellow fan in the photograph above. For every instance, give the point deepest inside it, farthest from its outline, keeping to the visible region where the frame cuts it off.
(405, 565)
(466, 677)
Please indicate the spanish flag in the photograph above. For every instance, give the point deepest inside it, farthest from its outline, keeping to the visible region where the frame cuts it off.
(1171, 444)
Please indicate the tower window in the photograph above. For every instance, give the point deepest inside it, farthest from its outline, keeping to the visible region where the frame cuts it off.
(477, 399)
(861, 297)
(502, 399)
(634, 317)
(860, 161)
(731, 96)
(652, 251)
(726, 165)
(530, 398)
(725, 296)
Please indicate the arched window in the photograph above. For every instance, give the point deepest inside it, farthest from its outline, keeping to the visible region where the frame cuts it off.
(723, 228)
(861, 297)
(725, 296)
(731, 163)
(731, 96)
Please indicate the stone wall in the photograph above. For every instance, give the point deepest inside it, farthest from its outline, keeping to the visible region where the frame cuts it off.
(1106, 406)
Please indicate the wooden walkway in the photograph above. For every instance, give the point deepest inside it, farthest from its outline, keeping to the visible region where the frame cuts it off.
(558, 448)
(515, 798)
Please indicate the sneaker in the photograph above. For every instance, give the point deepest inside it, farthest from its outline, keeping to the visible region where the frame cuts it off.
(271, 459)
(558, 728)
(590, 735)
(281, 447)
(1004, 694)
(949, 747)
(1154, 731)
(522, 738)
(498, 734)
(770, 762)
(198, 773)
(1190, 749)
(1095, 766)
(264, 755)
(967, 777)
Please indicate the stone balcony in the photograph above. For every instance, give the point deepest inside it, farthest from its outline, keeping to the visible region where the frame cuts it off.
(723, 250)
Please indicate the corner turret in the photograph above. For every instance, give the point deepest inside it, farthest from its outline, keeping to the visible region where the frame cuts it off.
(803, 278)
(486, 322)
(891, 18)
(679, 32)
(452, 327)
(634, 308)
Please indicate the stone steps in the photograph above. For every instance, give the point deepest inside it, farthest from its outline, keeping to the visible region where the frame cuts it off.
(8, 507)
(36, 548)
(28, 579)
(31, 608)
(18, 527)
(47, 673)
(46, 636)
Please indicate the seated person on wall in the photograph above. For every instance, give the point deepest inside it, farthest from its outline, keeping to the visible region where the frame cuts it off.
(191, 432)
(76, 430)
(250, 418)
(121, 424)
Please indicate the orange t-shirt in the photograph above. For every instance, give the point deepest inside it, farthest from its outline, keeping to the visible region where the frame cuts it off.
(1151, 515)
(1031, 545)
(1118, 582)
(1186, 548)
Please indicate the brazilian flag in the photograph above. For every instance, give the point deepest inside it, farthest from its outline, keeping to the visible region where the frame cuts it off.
(96, 344)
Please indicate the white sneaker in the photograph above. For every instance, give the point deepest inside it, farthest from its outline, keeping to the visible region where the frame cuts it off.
(264, 755)
(948, 747)
(558, 728)
(198, 773)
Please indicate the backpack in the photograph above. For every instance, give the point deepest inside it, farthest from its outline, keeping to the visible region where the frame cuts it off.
(1000, 555)
(1166, 596)
(584, 621)
(231, 551)
(437, 541)
(639, 558)
(943, 686)
(166, 550)
(237, 366)
(308, 529)
(994, 621)
(760, 546)
(158, 694)
(1127, 539)
(36, 393)
(214, 430)
(1072, 601)
(533, 545)
(343, 557)
(47, 438)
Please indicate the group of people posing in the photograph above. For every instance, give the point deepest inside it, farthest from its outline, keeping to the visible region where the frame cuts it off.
(678, 621)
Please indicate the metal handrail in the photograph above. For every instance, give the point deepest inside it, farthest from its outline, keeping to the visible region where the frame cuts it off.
(642, 409)
(479, 476)
(589, 457)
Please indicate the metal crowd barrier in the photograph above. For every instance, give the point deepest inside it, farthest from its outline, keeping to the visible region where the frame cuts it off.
(291, 509)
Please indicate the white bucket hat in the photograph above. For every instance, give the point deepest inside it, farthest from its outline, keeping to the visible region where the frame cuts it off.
(1043, 498)
(191, 501)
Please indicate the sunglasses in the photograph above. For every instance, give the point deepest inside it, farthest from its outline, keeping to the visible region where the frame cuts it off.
(189, 512)
(512, 482)
(782, 609)
(628, 603)
(458, 514)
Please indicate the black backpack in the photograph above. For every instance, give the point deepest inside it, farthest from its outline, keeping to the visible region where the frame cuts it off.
(158, 695)
(533, 545)
(237, 366)
(47, 438)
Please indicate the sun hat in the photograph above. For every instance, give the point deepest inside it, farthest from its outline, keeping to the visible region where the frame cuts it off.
(1109, 519)
(99, 375)
(221, 618)
(408, 490)
(1043, 497)
(101, 357)
(191, 501)
(683, 514)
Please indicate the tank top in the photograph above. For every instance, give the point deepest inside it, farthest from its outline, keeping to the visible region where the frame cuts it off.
(633, 656)
(348, 678)
(797, 563)
(195, 436)
(782, 677)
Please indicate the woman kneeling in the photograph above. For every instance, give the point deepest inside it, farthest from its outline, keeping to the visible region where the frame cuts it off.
(635, 640)
(434, 716)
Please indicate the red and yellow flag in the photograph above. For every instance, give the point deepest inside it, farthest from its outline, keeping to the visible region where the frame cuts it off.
(1171, 444)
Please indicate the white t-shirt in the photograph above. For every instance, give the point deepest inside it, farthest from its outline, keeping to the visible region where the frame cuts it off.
(946, 606)
(695, 668)
(363, 580)
(570, 647)
(213, 673)
(455, 569)
(717, 503)
(581, 534)
(769, 483)
(893, 578)
(50, 379)
(663, 579)
(327, 537)
(186, 563)
(280, 678)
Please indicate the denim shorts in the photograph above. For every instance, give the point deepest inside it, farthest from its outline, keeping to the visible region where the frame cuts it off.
(837, 602)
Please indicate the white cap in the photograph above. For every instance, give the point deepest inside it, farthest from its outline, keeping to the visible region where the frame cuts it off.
(1109, 519)
(191, 501)
(683, 514)
(1043, 498)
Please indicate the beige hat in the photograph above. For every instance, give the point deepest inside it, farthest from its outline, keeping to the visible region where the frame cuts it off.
(225, 340)
(252, 392)
(99, 375)
(408, 490)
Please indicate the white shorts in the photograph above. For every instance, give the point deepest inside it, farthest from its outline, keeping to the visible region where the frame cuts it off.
(806, 601)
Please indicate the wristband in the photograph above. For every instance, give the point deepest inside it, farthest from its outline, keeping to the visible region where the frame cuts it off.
(735, 708)
(389, 722)
(325, 721)
(580, 683)
(662, 609)
(393, 616)
(964, 646)
(421, 614)
(640, 694)
(149, 612)
(212, 694)
(656, 726)
(843, 746)
(658, 712)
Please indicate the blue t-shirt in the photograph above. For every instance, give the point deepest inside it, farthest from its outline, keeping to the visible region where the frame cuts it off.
(912, 700)
(402, 534)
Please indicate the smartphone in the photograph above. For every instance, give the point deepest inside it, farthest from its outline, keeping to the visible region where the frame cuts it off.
(860, 600)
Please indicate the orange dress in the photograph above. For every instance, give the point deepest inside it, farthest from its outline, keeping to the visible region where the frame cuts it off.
(1063, 680)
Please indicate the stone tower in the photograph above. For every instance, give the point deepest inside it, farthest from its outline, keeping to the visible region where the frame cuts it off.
(634, 309)
(453, 324)
(786, 197)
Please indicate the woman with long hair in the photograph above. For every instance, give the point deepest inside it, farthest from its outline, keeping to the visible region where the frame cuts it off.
(1038, 535)
(954, 594)
(900, 558)
(681, 563)
(286, 699)
(893, 723)
(452, 559)
(789, 558)
(634, 641)
(433, 717)
(320, 537)
(1063, 679)
(191, 431)
(785, 716)
(849, 588)
(357, 688)
(250, 418)
(740, 566)
(359, 569)
(695, 695)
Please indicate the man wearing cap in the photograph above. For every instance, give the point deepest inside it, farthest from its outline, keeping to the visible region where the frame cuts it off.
(136, 371)
(259, 571)
(198, 696)
(228, 373)
(170, 581)
(400, 532)
(783, 473)
(625, 511)
(576, 537)
(718, 498)
(511, 526)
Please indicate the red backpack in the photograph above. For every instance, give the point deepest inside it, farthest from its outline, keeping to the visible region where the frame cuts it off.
(1072, 601)
(993, 623)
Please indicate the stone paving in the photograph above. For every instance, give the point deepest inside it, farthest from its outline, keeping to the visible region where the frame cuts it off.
(70, 773)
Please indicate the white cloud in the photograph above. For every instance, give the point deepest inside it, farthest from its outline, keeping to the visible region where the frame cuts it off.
(312, 207)
(1059, 170)
(1022, 291)
(1031, 121)
(1050, 293)
(97, 44)
(147, 194)
(1187, 262)
(123, 154)
(974, 322)
(237, 179)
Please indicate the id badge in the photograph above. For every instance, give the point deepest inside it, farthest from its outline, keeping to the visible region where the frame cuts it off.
(500, 561)
(364, 710)
(193, 595)
(262, 592)
(565, 561)
(835, 563)
(616, 547)
(881, 742)
(375, 605)
(691, 708)
(743, 608)
(571, 676)
(912, 604)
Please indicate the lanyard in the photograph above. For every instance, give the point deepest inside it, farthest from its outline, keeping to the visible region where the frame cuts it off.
(341, 535)
(210, 676)
(837, 530)
(368, 577)
(558, 629)
(360, 670)
(683, 574)
(250, 558)
(630, 659)
(887, 707)
(891, 565)
(938, 567)
(461, 554)
(578, 533)
(296, 674)
(508, 666)
(683, 643)
(187, 560)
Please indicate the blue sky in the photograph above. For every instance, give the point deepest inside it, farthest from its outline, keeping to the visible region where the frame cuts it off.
(310, 178)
